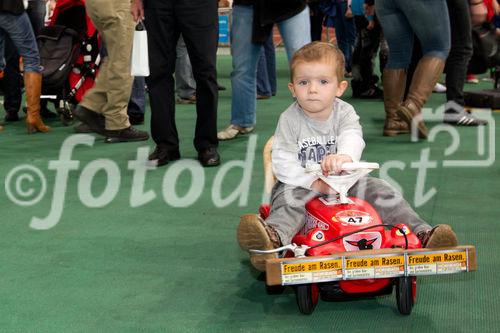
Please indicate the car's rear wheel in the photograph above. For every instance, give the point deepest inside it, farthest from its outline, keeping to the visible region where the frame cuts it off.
(307, 297)
(406, 294)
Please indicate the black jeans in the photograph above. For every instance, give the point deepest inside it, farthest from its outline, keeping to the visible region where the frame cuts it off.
(367, 43)
(460, 52)
(197, 20)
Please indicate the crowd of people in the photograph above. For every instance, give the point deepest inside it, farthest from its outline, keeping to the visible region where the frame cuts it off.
(415, 41)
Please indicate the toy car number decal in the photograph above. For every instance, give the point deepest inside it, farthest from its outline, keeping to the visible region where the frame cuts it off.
(354, 217)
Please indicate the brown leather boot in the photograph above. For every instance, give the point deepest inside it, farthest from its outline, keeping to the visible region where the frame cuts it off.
(427, 73)
(394, 81)
(33, 86)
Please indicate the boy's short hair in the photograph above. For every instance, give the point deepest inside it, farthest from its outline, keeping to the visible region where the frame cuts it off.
(319, 52)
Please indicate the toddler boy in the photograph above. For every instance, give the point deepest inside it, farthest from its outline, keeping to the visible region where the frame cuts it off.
(319, 128)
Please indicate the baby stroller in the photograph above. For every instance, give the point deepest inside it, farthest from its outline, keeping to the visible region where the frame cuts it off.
(70, 55)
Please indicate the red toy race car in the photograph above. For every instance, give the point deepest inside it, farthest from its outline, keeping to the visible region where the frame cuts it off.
(339, 224)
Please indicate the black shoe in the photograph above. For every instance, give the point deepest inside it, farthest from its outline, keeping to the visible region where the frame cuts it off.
(462, 119)
(92, 119)
(136, 118)
(82, 128)
(11, 116)
(209, 157)
(125, 135)
(163, 154)
(219, 87)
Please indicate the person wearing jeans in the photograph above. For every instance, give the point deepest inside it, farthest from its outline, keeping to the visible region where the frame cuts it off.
(345, 32)
(400, 19)
(15, 24)
(12, 80)
(185, 85)
(295, 32)
(266, 70)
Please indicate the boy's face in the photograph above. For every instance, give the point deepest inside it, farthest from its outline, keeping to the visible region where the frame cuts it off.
(315, 85)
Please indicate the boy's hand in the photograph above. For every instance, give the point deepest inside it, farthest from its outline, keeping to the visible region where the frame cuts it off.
(333, 163)
(320, 186)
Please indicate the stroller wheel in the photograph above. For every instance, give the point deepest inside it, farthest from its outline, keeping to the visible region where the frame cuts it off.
(66, 114)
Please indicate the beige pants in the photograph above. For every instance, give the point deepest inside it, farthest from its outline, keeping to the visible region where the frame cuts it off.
(111, 92)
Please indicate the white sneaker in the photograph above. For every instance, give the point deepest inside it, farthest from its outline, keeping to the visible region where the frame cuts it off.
(439, 88)
(233, 131)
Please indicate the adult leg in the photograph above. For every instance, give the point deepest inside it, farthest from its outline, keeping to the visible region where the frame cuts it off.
(162, 37)
(270, 54)
(357, 78)
(36, 12)
(263, 85)
(430, 22)
(245, 57)
(185, 85)
(456, 64)
(292, 30)
(137, 103)
(198, 24)
(11, 82)
(345, 32)
(399, 36)
(21, 33)
(114, 22)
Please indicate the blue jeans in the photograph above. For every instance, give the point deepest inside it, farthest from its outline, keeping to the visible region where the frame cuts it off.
(266, 69)
(427, 19)
(137, 102)
(345, 32)
(185, 85)
(295, 32)
(18, 28)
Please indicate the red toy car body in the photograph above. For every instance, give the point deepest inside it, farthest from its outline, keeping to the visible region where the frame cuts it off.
(355, 226)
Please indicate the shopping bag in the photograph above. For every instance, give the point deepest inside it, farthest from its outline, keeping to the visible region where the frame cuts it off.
(140, 61)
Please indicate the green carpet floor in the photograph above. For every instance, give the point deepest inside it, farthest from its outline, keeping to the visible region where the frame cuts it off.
(160, 268)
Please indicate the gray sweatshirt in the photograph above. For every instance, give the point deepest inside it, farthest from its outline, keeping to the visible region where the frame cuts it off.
(300, 140)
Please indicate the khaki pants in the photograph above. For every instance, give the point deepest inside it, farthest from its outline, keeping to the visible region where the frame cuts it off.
(111, 92)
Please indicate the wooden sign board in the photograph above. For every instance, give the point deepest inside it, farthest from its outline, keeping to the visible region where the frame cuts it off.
(371, 264)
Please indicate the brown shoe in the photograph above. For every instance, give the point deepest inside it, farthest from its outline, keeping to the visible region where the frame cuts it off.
(442, 235)
(394, 126)
(189, 100)
(427, 73)
(253, 234)
(33, 86)
(394, 81)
